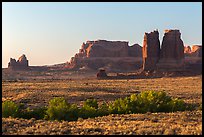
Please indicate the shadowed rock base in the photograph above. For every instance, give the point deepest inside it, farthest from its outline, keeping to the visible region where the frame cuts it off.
(170, 65)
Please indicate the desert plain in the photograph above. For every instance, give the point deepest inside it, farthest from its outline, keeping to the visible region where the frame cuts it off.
(76, 88)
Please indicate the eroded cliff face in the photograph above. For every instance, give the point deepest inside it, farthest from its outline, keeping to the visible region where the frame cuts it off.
(104, 48)
(107, 54)
(172, 56)
(195, 51)
(172, 46)
(172, 51)
(151, 50)
(20, 64)
(187, 50)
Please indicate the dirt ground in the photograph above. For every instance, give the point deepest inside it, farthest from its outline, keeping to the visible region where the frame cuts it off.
(38, 92)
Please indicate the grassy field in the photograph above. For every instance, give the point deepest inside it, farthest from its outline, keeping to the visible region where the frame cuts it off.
(35, 93)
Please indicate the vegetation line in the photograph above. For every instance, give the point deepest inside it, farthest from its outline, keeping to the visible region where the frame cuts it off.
(59, 109)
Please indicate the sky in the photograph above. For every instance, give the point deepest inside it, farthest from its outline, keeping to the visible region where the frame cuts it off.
(51, 33)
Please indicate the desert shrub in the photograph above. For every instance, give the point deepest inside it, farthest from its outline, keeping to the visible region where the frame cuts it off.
(57, 109)
(120, 106)
(9, 108)
(147, 101)
(103, 109)
(37, 113)
(176, 105)
(87, 112)
(92, 103)
(151, 101)
(89, 109)
(72, 112)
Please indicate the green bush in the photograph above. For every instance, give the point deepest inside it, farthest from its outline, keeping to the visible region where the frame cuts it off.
(72, 112)
(91, 103)
(120, 106)
(147, 101)
(176, 105)
(103, 109)
(57, 109)
(151, 101)
(9, 108)
(37, 113)
(87, 112)
(89, 109)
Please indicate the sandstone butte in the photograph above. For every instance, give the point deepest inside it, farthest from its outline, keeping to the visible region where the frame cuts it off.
(151, 50)
(20, 64)
(172, 51)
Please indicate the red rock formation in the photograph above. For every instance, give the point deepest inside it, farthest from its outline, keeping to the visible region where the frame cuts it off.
(150, 50)
(172, 46)
(187, 49)
(101, 74)
(135, 51)
(21, 64)
(196, 47)
(196, 51)
(107, 54)
(103, 48)
(172, 51)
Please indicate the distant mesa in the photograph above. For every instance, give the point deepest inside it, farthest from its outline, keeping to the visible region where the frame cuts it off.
(195, 51)
(20, 64)
(104, 48)
(114, 55)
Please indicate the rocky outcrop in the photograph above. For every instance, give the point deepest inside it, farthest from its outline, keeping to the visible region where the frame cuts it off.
(172, 46)
(104, 48)
(135, 51)
(20, 64)
(151, 50)
(172, 51)
(111, 55)
(187, 50)
(101, 74)
(195, 51)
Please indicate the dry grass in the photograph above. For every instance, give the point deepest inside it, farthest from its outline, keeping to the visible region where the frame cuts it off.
(37, 93)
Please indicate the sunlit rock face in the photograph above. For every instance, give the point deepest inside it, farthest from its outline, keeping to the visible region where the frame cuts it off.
(104, 48)
(20, 64)
(195, 51)
(187, 50)
(172, 51)
(107, 54)
(150, 50)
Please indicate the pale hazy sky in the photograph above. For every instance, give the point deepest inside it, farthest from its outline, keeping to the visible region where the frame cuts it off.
(51, 33)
